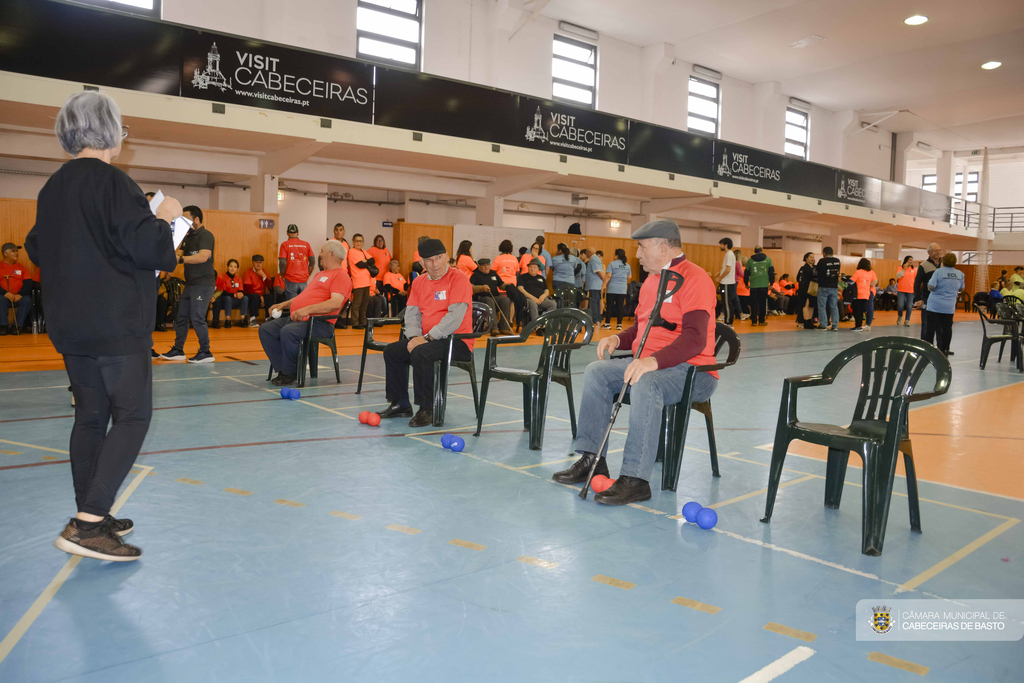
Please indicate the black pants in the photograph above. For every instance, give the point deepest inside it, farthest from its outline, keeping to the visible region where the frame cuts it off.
(360, 302)
(195, 301)
(730, 303)
(613, 306)
(397, 360)
(859, 306)
(803, 301)
(940, 327)
(105, 388)
(758, 304)
(258, 301)
(162, 306)
(281, 339)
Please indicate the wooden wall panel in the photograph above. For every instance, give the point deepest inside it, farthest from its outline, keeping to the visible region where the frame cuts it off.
(406, 236)
(608, 245)
(17, 216)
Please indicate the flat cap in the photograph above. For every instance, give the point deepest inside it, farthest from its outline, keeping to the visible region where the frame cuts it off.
(257, 257)
(9, 245)
(431, 247)
(483, 262)
(535, 262)
(665, 229)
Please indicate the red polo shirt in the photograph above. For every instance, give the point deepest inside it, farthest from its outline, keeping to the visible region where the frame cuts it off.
(12, 275)
(229, 285)
(433, 297)
(252, 282)
(297, 253)
(321, 287)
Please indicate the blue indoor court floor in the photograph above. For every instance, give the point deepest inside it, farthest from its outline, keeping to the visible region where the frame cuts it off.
(284, 541)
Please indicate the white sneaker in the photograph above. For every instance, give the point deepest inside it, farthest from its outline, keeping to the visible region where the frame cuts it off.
(720, 318)
(867, 327)
(744, 316)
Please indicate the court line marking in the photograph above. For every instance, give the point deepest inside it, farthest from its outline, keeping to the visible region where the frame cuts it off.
(536, 562)
(546, 462)
(26, 621)
(752, 494)
(956, 557)
(897, 663)
(29, 445)
(469, 545)
(344, 515)
(780, 665)
(617, 583)
(805, 636)
(238, 492)
(404, 529)
(289, 503)
(699, 606)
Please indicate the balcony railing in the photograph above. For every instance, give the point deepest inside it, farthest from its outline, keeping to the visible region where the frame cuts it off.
(1001, 219)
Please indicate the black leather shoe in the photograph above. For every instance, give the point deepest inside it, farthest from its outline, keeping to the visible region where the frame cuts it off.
(395, 410)
(625, 490)
(215, 325)
(949, 353)
(580, 470)
(422, 418)
(283, 380)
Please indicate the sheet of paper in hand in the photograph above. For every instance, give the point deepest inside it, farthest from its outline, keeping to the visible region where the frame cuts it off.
(179, 226)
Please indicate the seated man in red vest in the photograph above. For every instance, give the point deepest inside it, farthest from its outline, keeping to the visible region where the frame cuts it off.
(439, 305)
(657, 377)
(326, 293)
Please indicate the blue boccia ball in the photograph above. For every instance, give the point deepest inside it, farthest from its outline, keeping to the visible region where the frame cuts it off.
(285, 391)
(446, 440)
(707, 518)
(458, 443)
(293, 394)
(690, 511)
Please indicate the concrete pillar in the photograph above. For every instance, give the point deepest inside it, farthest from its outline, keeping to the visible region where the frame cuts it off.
(263, 194)
(892, 250)
(904, 142)
(945, 171)
(750, 237)
(490, 210)
(637, 220)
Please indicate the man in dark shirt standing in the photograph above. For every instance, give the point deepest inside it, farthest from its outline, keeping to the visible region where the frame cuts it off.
(828, 289)
(196, 252)
(534, 287)
(488, 288)
(924, 274)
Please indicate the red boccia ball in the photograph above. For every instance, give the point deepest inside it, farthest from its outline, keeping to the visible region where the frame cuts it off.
(373, 420)
(601, 483)
(364, 416)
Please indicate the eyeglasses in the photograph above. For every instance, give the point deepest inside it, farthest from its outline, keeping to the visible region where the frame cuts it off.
(124, 132)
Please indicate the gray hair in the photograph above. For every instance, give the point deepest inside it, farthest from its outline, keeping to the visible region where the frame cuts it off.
(88, 120)
(934, 246)
(336, 249)
(669, 242)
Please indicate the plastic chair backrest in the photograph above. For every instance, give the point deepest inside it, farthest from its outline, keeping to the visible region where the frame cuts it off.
(890, 368)
(1004, 310)
(1015, 306)
(724, 335)
(481, 317)
(561, 326)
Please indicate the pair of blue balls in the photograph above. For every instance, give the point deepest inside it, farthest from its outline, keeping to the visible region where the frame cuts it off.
(289, 392)
(452, 442)
(695, 513)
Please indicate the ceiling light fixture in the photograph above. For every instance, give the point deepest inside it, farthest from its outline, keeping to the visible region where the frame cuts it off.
(915, 20)
(991, 65)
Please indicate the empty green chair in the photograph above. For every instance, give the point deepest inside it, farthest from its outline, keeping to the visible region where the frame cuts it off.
(890, 370)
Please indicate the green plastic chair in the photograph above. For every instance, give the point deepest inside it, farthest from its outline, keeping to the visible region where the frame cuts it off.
(481, 313)
(890, 370)
(562, 328)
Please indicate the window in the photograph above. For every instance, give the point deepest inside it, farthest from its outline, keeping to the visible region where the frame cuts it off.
(147, 8)
(389, 31)
(972, 186)
(703, 107)
(796, 133)
(930, 183)
(574, 72)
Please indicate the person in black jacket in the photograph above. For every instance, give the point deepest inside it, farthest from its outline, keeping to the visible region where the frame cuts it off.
(828, 289)
(924, 274)
(95, 233)
(804, 277)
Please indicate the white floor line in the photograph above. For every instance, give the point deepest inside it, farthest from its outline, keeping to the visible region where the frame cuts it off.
(780, 665)
(26, 621)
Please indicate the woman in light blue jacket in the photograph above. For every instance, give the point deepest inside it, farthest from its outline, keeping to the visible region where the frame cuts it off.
(563, 273)
(619, 273)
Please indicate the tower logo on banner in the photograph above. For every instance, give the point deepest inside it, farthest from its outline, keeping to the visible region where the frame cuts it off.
(536, 132)
(723, 168)
(567, 130)
(212, 75)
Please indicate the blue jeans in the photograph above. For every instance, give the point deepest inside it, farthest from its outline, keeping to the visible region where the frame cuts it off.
(828, 299)
(292, 289)
(228, 303)
(21, 312)
(281, 338)
(595, 305)
(603, 379)
(869, 310)
(904, 302)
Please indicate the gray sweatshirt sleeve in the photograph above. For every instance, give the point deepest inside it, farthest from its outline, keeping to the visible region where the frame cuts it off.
(413, 322)
(449, 324)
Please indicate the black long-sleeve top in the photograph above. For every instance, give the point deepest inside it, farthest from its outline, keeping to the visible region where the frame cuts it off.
(99, 244)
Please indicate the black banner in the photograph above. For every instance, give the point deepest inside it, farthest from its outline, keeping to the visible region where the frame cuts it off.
(756, 168)
(557, 127)
(224, 69)
(670, 150)
(934, 206)
(84, 45)
(900, 198)
(858, 190)
(419, 102)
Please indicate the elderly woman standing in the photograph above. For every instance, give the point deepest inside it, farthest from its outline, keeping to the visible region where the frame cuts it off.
(95, 233)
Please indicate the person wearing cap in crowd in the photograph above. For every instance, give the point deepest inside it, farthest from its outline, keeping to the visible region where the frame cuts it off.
(489, 289)
(196, 252)
(326, 294)
(534, 288)
(657, 377)
(15, 285)
(295, 259)
(544, 254)
(438, 306)
(259, 292)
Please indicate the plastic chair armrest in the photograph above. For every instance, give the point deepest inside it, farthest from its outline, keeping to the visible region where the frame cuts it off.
(378, 322)
(808, 381)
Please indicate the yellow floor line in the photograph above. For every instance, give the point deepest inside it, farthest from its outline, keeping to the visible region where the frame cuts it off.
(404, 529)
(289, 503)
(365, 374)
(183, 480)
(26, 621)
(536, 562)
(238, 492)
(617, 583)
(29, 445)
(446, 430)
(547, 462)
(699, 606)
(896, 663)
(466, 544)
(11, 452)
(789, 631)
(49, 457)
(956, 557)
(344, 515)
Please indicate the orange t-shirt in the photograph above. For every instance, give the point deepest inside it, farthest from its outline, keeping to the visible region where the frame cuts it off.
(741, 287)
(507, 267)
(382, 259)
(396, 280)
(433, 297)
(864, 278)
(321, 287)
(466, 264)
(696, 294)
(360, 276)
(297, 253)
(906, 283)
(524, 263)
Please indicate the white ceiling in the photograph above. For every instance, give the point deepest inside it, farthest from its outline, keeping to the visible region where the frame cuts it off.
(868, 61)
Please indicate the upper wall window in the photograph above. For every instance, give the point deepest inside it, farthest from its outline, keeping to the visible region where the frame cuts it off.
(930, 182)
(147, 8)
(972, 186)
(796, 133)
(574, 72)
(390, 31)
(703, 107)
